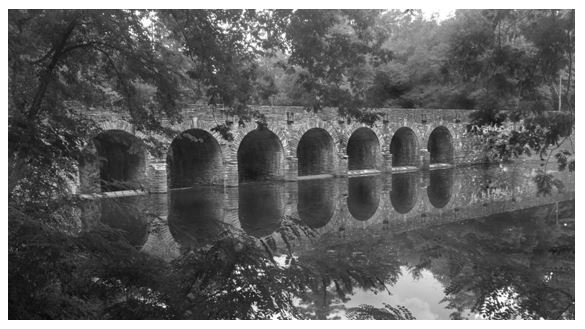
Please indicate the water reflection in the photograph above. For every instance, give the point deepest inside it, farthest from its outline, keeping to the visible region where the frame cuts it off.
(260, 207)
(440, 187)
(403, 195)
(195, 215)
(126, 215)
(523, 260)
(363, 197)
(512, 265)
(315, 202)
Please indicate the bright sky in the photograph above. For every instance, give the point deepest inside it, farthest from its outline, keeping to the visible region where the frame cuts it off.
(440, 14)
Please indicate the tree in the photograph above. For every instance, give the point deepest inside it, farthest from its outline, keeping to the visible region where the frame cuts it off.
(338, 50)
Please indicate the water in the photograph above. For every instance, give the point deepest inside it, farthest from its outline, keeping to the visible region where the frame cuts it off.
(477, 242)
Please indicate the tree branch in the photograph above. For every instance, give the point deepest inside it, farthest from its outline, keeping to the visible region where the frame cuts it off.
(45, 78)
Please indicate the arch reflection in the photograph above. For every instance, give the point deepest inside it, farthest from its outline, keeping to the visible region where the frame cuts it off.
(440, 187)
(195, 215)
(363, 197)
(127, 215)
(260, 208)
(315, 202)
(403, 194)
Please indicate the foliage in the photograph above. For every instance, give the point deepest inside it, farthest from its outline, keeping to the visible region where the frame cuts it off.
(337, 50)
(53, 275)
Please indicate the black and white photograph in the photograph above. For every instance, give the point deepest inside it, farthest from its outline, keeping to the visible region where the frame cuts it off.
(274, 164)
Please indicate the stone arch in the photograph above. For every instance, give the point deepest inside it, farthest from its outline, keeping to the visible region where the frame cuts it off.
(113, 160)
(404, 148)
(117, 125)
(260, 156)
(363, 197)
(440, 145)
(293, 136)
(363, 149)
(194, 158)
(403, 195)
(315, 204)
(315, 153)
(440, 187)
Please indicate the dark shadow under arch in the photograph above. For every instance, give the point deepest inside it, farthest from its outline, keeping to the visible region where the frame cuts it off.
(404, 148)
(440, 145)
(114, 160)
(194, 158)
(315, 152)
(260, 156)
(363, 197)
(404, 192)
(363, 148)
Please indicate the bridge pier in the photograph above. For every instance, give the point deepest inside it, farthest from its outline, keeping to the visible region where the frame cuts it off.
(425, 159)
(291, 169)
(157, 177)
(386, 162)
(342, 166)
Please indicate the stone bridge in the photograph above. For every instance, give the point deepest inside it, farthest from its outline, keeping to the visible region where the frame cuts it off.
(291, 145)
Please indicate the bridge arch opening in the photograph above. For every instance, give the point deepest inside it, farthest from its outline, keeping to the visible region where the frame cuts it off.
(363, 148)
(194, 158)
(404, 148)
(315, 152)
(363, 197)
(403, 195)
(315, 202)
(260, 208)
(114, 160)
(260, 156)
(440, 187)
(440, 145)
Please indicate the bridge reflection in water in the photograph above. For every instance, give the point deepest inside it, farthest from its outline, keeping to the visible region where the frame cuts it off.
(127, 216)
(260, 207)
(315, 202)
(404, 192)
(195, 215)
(440, 187)
(363, 197)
